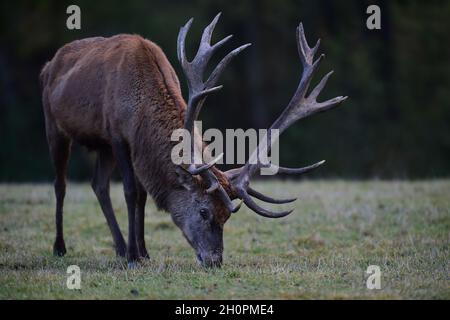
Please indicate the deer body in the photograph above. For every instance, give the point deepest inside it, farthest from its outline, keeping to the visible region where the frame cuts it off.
(121, 97)
(123, 88)
(101, 91)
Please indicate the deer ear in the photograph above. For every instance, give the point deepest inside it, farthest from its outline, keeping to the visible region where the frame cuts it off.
(185, 179)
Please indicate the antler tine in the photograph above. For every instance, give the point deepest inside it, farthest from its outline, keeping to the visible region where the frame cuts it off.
(305, 52)
(300, 106)
(207, 32)
(223, 63)
(263, 197)
(181, 51)
(299, 170)
(249, 202)
(192, 169)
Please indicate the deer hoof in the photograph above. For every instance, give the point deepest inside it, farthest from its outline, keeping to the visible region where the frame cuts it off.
(59, 248)
(143, 254)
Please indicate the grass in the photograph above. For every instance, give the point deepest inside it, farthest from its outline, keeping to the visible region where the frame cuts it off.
(321, 251)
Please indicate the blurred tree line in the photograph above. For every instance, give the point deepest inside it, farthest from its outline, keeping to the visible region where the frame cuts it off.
(395, 124)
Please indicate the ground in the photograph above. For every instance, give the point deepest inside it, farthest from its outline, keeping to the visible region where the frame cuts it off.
(322, 250)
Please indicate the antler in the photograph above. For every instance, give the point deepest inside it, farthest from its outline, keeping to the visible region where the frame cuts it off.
(199, 90)
(300, 106)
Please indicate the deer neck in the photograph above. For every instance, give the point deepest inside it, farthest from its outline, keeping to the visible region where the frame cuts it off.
(154, 123)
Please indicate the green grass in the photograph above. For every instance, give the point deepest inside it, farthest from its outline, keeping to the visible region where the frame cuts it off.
(321, 251)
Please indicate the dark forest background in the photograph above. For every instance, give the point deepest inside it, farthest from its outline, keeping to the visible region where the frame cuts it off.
(395, 124)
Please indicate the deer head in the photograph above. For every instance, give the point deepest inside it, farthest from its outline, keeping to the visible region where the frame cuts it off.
(201, 208)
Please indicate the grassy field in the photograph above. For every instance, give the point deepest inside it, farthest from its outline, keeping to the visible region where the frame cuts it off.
(321, 251)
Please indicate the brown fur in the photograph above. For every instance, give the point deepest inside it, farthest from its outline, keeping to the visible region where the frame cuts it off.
(123, 87)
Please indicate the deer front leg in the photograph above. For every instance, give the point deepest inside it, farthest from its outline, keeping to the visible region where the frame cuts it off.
(122, 155)
(100, 184)
(140, 217)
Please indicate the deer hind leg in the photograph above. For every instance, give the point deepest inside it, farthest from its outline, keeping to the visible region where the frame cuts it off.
(104, 168)
(122, 155)
(140, 217)
(59, 146)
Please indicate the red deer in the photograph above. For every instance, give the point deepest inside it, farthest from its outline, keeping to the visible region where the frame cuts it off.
(121, 97)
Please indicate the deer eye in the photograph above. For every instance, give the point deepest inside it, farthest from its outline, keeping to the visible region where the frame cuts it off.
(204, 213)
